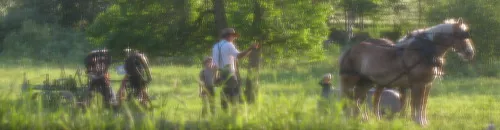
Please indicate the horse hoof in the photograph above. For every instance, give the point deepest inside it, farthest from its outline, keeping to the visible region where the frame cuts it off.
(422, 122)
(364, 117)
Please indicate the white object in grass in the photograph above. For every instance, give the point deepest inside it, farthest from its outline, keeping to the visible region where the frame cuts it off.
(121, 70)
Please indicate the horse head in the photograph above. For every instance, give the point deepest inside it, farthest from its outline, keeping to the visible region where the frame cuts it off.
(454, 34)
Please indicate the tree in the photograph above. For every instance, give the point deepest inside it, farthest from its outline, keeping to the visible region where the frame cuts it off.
(252, 82)
(357, 8)
(186, 27)
(161, 28)
(483, 20)
(220, 14)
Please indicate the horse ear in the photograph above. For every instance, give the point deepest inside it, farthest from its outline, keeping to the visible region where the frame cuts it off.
(460, 20)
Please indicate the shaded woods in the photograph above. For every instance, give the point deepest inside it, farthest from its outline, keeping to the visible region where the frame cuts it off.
(67, 29)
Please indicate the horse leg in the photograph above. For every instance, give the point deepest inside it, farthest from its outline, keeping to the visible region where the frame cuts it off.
(347, 83)
(121, 95)
(122, 90)
(403, 99)
(360, 96)
(145, 99)
(376, 101)
(424, 105)
(417, 101)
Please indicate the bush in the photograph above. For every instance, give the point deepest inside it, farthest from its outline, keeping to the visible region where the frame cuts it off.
(45, 42)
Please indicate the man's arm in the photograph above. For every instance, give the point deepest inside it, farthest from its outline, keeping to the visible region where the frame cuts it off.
(248, 51)
(245, 53)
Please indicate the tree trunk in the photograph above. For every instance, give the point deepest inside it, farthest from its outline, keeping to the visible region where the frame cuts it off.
(220, 15)
(184, 28)
(252, 83)
(419, 13)
(361, 20)
(350, 18)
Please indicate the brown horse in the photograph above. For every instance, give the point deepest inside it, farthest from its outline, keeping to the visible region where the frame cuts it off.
(97, 63)
(412, 64)
(137, 78)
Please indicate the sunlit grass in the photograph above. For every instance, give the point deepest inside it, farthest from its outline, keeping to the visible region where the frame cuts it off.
(287, 100)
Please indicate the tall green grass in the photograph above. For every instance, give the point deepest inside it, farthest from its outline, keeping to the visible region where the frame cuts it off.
(288, 99)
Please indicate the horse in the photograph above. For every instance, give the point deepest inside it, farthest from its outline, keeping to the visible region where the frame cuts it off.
(412, 64)
(137, 78)
(97, 63)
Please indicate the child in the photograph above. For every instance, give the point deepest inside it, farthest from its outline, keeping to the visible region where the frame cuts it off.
(326, 101)
(326, 85)
(207, 92)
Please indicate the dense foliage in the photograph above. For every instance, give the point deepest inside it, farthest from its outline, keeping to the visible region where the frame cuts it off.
(187, 28)
(45, 42)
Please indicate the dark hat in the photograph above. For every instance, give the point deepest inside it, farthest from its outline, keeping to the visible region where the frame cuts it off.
(228, 31)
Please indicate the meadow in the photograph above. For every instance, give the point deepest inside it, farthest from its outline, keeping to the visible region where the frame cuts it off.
(288, 99)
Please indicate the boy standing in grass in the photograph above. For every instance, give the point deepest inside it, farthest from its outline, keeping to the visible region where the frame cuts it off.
(326, 86)
(325, 102)
(207, 90)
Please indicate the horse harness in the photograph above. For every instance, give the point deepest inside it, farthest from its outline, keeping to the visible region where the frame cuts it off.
(425, 52)
(407, 68)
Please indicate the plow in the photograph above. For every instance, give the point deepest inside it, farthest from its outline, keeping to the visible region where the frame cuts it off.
(77, 88)
(67, 89)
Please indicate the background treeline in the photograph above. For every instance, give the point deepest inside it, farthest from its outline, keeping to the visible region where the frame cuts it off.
(65, 30)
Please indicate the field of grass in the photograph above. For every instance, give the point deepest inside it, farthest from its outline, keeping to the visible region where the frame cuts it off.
(288, 100)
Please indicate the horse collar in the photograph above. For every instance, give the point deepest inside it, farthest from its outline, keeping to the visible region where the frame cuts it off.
(424, 37)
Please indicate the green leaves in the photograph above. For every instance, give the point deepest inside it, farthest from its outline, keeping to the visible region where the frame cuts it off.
(178, 27)
(45, 42)
(483, 19)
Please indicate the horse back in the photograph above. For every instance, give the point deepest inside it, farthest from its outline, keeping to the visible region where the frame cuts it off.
(351, 61)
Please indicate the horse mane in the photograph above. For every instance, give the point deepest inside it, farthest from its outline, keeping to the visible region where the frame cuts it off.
(427, 50)
(446, 27)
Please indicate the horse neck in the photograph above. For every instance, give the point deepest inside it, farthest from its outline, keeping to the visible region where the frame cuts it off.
(441, 51)
(411, 46)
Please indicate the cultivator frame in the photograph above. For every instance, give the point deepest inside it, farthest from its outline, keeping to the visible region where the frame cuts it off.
(67, 89)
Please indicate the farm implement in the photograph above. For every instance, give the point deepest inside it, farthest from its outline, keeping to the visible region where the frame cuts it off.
(67, 89)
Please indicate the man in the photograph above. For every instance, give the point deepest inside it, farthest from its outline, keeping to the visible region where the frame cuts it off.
(225, 55)
(97, 63)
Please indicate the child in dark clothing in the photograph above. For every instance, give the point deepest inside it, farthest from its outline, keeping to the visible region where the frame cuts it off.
(326, 101)
(326, 86)
(207, 90)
